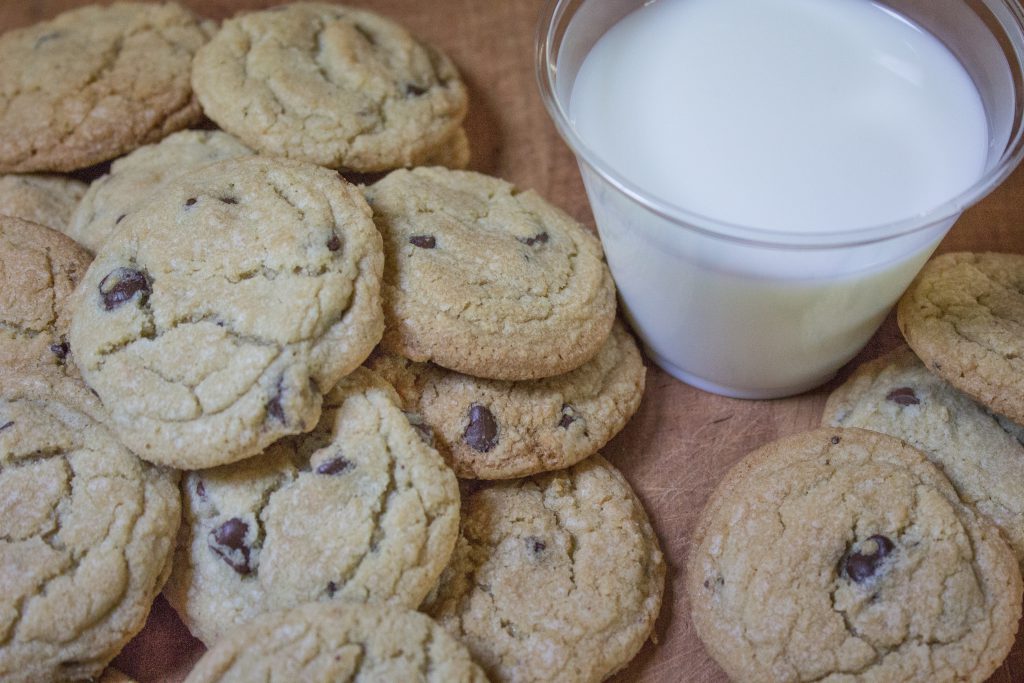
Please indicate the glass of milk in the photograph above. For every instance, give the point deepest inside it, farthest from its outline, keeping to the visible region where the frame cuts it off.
(768, 176)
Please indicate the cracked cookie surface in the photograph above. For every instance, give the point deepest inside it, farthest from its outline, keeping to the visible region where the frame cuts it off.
(333, 85)
(44, 199)
(495, 429)
(358, 509)
(555, 577)
(86, 533)
(964, 317)
(897, 395)
(94, 83)
(486, 280)
(39, 270)
(327, 643)
(844, 555)
(134, 178)
(215, 318)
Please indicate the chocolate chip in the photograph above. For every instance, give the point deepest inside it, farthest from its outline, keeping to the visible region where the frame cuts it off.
(535, 545)
(45, 38)
(226, 200)
(423, 241)
(903, 396)
(274, 407)
(413, 90)
(120, 218)
(228, 541)
(834, 440)
(6, 425)
(863, 564)
(231, 533)
(714, 585)
(542, 238)
(568, 416)
(482, 432)
(60, 350)
(190, 202)
(334, 243)
(337, 465)
(121, 285)
(332, 588)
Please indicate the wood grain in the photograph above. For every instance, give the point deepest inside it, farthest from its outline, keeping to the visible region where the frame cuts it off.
(682, 441)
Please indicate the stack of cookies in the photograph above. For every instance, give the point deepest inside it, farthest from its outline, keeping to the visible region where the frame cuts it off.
(893, 554)
(310, 408)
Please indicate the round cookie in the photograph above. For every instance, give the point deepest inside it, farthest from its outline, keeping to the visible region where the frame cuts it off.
(218, 314)
(44, 199)
(39, 270)
(897, 395)
(86, 533)
(843, 554)
(94, 83)
(134, 178)
(333, 85)
(495, 429)
(359, 509)
(964, 317)
(557, 577)
(325, 643)
(486, 280)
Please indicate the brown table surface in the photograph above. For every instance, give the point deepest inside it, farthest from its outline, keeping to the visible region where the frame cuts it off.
(683, 440)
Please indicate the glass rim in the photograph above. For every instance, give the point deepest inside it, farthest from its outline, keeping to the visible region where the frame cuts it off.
(553, 16)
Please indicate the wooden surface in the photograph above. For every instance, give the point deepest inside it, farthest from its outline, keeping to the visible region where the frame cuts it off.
(682, 441)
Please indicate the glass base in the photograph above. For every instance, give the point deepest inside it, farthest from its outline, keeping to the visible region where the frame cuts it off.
(734, 392)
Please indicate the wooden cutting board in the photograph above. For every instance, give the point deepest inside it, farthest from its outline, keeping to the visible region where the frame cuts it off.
(683, 440)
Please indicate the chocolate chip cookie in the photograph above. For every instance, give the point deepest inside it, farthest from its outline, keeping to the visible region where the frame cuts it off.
(557, 577)
(897, 395)
(86, 533)
(494, 429)
(328, 643)
(487, 280)
(44, 199)
(843, 554)
(359, 509)
(329, 84)
(39, 269)
(94, 83)
(964, 317)
(134, 178)
(214, 319)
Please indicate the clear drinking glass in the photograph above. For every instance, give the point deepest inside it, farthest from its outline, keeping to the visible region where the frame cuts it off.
(756, 313)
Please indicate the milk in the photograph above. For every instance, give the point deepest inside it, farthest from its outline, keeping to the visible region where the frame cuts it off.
(770, 126)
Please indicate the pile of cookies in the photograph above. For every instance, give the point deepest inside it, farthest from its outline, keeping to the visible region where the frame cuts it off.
(302, 408)
(888, 544)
